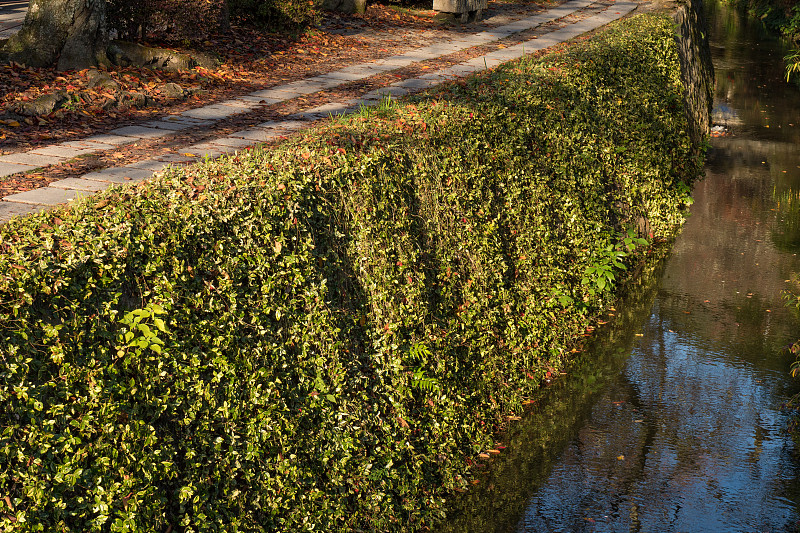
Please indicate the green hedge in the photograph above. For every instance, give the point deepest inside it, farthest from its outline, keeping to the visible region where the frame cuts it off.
(322, 335)
(277, 14)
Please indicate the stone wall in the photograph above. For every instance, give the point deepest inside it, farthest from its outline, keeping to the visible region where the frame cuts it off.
(697, 71)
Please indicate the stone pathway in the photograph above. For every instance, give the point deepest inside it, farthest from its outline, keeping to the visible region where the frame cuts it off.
(63, 191)
(12, 15)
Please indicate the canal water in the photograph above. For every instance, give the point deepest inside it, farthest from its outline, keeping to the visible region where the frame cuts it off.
(673, 421)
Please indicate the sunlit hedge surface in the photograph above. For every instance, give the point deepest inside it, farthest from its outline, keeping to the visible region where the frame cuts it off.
(321, 336)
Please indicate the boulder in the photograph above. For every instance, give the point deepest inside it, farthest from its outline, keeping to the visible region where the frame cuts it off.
(96, 78)
(127, 54)
(172, 91)
(132, 99)
(43, 105)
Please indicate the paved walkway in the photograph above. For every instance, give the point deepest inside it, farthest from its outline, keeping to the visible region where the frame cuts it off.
(12, 15)
(65, 190)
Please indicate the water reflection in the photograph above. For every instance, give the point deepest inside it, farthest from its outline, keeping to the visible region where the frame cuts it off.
(690, 436)
(686, 433)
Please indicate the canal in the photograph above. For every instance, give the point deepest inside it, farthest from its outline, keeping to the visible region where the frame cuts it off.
(672, 420)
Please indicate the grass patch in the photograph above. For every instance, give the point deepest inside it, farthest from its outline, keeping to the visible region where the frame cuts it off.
(323, 335)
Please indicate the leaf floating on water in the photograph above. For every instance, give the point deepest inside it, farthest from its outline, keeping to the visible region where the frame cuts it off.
(620, 458)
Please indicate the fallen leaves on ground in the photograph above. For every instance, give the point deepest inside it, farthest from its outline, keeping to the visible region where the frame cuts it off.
(251, 59)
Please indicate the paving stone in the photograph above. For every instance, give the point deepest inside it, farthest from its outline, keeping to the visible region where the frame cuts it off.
(233, 142)
(113, 140)
(308, 116)
(415, 84)
(477, 39)
(345, 77)
(141, 132)
(499, 33)
(391, 91)
(395, 62)
(468, 42)
(205, 150)
(326, 110)
(257, 100)
(6, 169)
(212, 112)
(174, 159)
(168, 125)
(421, 54)
(308, 86)
(244, 105)
(28, 158)
(220, 149)
(322, 82)
(187, 120)
(153, 165)
(290, 125)
(462, 69)
(257, 134)
(491, 62)
(11, 210)
(46, 196)
(365, 70)
(366, 103)
(333, 108)
(440, 49)
(277, 95)
(519, 26)
(439, 76)
(119, 175)
(270, 124)
(81, 184)
(87, 145)
(372, 96)
(64, 152)
(507, 54)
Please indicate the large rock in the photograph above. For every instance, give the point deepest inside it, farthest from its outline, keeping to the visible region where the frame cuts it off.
(127, 54)
(95, 78)
(172, 91)
(345, 6)
(43, 105)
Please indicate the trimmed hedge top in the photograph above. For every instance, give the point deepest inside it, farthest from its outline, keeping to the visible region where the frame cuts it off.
(320, 336)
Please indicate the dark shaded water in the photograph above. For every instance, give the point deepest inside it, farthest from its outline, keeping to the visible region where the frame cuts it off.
(674, 421)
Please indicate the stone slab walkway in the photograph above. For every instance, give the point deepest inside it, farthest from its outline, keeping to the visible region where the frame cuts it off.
(65, 190)
(12, 15)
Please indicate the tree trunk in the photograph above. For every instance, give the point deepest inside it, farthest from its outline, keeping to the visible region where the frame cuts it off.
(71, 34)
